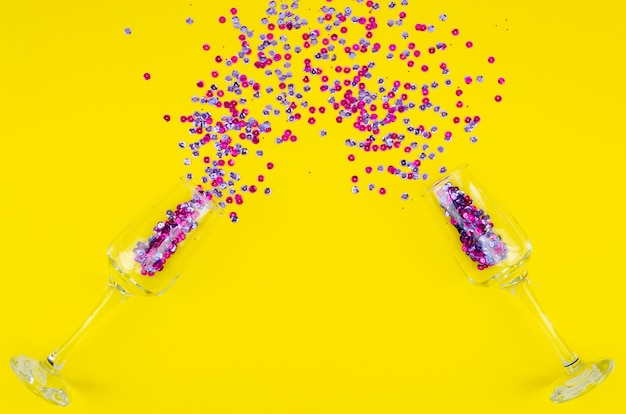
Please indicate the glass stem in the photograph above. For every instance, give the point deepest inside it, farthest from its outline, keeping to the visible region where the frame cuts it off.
(113, 296)
(523, 291)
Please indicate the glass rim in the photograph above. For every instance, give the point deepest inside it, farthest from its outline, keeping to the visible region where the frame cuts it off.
(446, 177)
(194, 189)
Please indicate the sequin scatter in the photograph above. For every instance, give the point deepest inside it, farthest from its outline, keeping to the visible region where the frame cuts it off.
(332, 72)
(479, 241)
(153, 253)
(127, 31)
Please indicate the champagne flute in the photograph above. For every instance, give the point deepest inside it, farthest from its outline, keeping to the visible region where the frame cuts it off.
(145, 259)
(493, 251)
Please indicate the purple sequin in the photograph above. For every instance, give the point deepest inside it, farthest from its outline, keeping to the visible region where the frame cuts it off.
(163, 243)
(475, 228)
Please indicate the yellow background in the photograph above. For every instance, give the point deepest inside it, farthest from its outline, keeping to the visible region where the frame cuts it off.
(335, 303)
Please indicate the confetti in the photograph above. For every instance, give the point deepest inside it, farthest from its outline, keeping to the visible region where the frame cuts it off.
(333, 70)
(153, 253)
(479, 242)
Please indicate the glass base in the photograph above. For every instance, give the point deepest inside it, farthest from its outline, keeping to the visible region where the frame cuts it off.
(580, 379)
(42, 379)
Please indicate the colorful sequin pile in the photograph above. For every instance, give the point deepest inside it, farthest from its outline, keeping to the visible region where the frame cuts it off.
(163, 243)
(479, 242)
(332, 72)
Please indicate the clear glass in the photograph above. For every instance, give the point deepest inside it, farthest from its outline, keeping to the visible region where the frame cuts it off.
(493, 250)
(145, 259)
